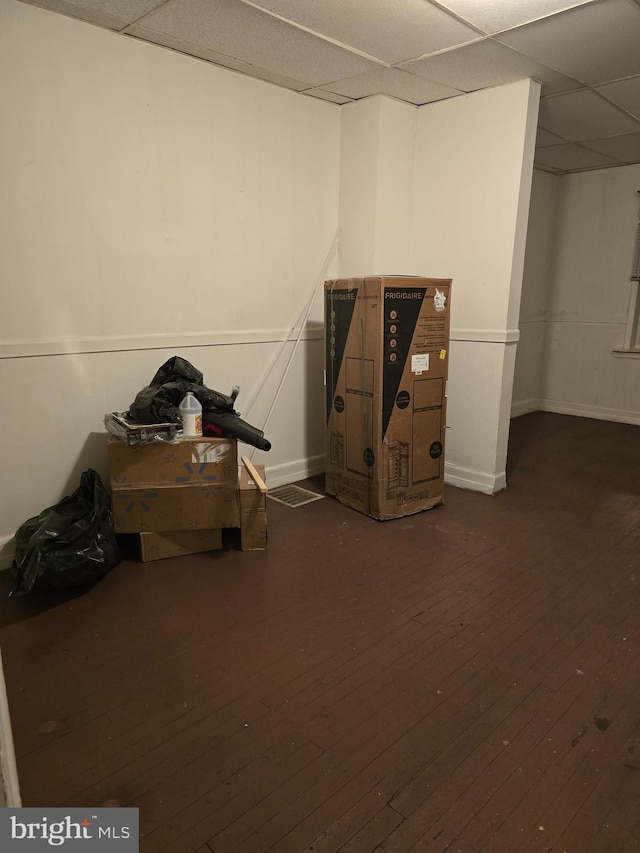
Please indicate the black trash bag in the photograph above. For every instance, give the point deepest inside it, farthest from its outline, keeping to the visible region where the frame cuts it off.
(158, 403)
(70, 544)
(177, 369)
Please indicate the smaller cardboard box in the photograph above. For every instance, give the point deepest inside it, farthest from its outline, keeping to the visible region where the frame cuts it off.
(253, 512)
(178, 543)
(162, 486)
(201, 461)
(162, 508)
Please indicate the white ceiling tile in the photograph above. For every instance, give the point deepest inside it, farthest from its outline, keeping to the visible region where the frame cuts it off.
(339, 50)
(624, 93)
(544, 138)
(129, 10)
(625, 148)
(594, 43)
(257, 38)
(486, 63)
(391, 31)
(583, 115)
(90, 16)
(326, 96)
(492, 16)
(163, 40)
(542, 168)
(572, 158)
(260, 73)
(396, 84)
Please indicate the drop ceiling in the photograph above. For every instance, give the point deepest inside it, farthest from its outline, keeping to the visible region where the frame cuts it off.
(585, 54)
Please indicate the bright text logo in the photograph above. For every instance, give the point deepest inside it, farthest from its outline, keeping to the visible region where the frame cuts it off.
(108, 829)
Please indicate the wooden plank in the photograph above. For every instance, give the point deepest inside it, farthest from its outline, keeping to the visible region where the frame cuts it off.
(260, 483)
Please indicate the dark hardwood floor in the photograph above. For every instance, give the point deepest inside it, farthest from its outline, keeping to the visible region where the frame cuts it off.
(464, 679)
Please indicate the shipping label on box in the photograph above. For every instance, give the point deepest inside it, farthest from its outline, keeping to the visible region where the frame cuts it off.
(386, 357)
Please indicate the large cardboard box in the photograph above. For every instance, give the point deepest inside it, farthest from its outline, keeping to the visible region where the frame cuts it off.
(161, 486)
(386, 359)
(253, 512)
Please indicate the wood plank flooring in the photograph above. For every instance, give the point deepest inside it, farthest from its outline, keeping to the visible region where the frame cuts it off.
(465, 679)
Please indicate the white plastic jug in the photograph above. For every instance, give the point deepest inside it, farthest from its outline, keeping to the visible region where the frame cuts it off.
(191, 414)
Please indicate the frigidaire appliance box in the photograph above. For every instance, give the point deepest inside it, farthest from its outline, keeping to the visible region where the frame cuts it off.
(386, 358)
(161, 486)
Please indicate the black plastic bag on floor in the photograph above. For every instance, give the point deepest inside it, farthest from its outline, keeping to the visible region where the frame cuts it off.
(68, 545)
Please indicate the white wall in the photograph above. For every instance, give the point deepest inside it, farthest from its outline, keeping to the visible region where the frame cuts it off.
(376, 187)
(443, 191)
(152, 205)
(587, 309)
(359, 142)
(536, 287)
(587, 246)
(474, 160)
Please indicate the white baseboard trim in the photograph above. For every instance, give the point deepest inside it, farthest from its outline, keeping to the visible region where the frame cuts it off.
(475, 481)
(277, 475)
(464, 478)
(587, 411)
(291, 472)
(8, 766)
(524, 407)
(579, 410)
(300, 469)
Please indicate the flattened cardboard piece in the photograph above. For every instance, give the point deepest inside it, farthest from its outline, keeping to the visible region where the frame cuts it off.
(178, 543)
(253, 512)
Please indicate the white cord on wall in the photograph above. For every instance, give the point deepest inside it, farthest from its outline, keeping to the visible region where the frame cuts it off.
(305, 310)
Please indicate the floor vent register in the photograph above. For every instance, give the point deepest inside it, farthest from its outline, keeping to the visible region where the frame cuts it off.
(291, 495)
